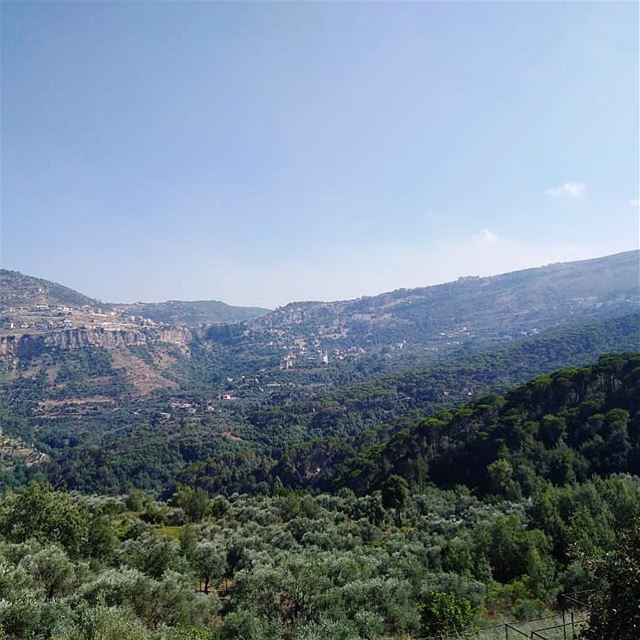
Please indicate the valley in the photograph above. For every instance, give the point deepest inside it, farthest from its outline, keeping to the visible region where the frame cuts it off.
(510, 505)
(107, 381)
(421, 462)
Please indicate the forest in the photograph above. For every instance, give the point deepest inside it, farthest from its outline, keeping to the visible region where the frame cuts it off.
(455, 522)
(299, 417)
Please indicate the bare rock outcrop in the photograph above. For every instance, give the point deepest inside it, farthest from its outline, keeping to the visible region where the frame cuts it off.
(29, 345)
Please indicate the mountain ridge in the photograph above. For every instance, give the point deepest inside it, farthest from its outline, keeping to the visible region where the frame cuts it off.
(470, 277)
(22, 291)
(307, 302)
(450, 314)
(307, 339)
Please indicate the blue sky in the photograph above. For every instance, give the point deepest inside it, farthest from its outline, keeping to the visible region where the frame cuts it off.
(260, 153)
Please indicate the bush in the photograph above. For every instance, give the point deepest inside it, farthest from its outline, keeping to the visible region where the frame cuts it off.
(446, 613)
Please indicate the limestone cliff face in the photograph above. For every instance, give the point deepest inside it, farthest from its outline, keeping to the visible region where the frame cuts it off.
(29, 345)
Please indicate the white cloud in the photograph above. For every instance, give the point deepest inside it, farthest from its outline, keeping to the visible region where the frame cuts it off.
(635, 203)
(488, 237)
(571, 189)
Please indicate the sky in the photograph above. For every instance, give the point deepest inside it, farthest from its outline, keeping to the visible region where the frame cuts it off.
(260, 153)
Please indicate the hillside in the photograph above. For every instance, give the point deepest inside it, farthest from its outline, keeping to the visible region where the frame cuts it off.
(192, 313)
(33, 305)
(432, 319)
(237, 435)
(563, 427)
(145, 402)
(21, 291)
(547, 503)
(419, 322)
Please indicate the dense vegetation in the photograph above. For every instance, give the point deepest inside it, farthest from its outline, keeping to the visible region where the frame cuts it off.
(391, 564)
(563, 427)
(458, 520)
(307, 419)
(392, 483)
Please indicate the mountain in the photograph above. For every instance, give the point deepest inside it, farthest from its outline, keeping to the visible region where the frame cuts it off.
(192, 313)
(96, 379)
(21, 291)
(42, 306)
(240, 434)
(470, 311)
(42, 323)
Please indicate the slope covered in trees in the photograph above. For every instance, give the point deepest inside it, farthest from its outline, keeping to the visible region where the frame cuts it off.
(460, 520)
(563, 427)
(392, 564)
(100, 439)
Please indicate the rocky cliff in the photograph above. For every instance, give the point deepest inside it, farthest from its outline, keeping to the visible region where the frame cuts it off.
(29, 345)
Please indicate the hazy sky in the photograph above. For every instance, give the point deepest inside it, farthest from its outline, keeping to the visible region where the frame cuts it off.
(260, 153)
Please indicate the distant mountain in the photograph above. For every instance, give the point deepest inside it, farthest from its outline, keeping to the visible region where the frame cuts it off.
(469, 311)
(191, 314)
(22, 295)
(21, 291)
(310, 342)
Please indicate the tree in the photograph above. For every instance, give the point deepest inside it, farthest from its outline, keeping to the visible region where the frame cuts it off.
(108, 623)
(446, 613)
(135, 500)
(615, 610)
(51, 570)
(101, 539)
(194, 502)
(500, 475)
(209, 562)
(46, 515)
(151, 553)
(395, 492)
